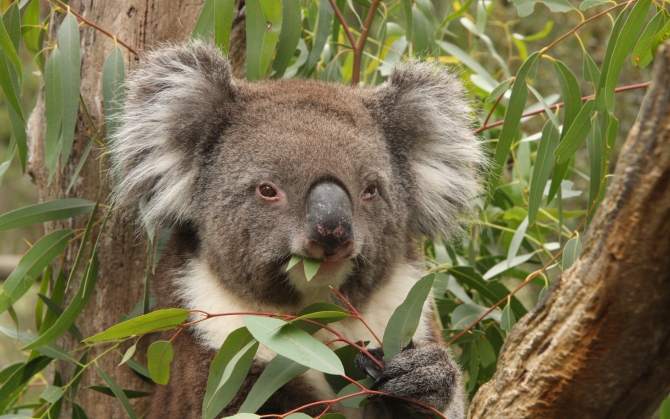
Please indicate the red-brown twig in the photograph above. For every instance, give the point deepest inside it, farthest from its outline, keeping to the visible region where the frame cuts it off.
(573, 30)
(493, 108)
(287, 317)
(354, 313)
(93, 25)
(559, 105)
(359, 46)
(347, 31)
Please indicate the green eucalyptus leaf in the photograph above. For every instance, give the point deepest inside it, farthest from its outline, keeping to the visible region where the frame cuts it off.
(499, 90)
(590, 69)
(30, 266)
(131, 394)
(22, 375)
(624, 43)
(544, 163)
(311, 267)
(322, 31)
(643, 51)
(118, 392)
(52, 350)
(587, 4)
(508, 320)
(159, 355)
(129, 354)
(571, 252)
(576, 134)
(264, 22)
(279, 371)
(572, 96)
(52, 394)
(405, 319)
(58, 209)
(8, 48)
(70, 63)
(289, 36)
(525, 7)
(235, 341)
(232, 378)
(113, 90)
(204, 26)
(293, 343)
(53, 102)
(152, 322)
(511, 125)
(76, 306)
(517, 238)
(223, 23)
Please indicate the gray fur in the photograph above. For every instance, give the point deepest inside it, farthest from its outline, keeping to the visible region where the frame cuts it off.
(195, 143)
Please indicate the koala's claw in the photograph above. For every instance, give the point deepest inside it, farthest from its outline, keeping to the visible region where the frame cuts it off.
(427, 374)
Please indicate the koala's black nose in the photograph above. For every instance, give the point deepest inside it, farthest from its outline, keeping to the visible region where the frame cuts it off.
(329, 222)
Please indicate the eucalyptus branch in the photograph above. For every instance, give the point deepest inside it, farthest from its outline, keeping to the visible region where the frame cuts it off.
(560, 105)
(359, 46)
(93, 25)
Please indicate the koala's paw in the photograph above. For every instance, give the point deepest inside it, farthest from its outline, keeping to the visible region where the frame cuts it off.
(427, 374)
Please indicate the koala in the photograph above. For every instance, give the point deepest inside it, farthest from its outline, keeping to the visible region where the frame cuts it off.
(249, 174)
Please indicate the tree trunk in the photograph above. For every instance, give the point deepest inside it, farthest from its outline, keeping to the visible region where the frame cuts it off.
(122, 255)
(598, 346)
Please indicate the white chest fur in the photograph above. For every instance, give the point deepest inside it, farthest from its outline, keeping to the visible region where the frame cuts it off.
(200, 289)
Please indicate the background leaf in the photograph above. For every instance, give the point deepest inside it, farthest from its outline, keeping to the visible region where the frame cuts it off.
(70, 61)
(158, 320)
(264, 21)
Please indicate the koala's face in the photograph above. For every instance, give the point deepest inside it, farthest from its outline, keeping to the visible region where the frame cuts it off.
(301, 170)
(264, 171)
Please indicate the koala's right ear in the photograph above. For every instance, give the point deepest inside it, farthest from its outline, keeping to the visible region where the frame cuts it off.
(178, 104)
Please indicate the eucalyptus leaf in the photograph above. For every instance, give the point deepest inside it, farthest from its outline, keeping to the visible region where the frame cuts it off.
(576, 134)
(279, 371)
(113, 89)
(405, 319)
(511, 125)
(571, 252)
(70, 62)
(293, 343)
(118, 392)
(289, 35)
(152, 322)
(544, 163)
(508, 320)
(264, 21)
(57, 209)
(30, 266)
(159, 355)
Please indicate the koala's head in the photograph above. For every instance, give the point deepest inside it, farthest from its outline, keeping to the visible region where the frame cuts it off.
(263, 171)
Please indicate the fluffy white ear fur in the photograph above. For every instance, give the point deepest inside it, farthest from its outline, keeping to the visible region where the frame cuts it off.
(176, 105)
(427, 123)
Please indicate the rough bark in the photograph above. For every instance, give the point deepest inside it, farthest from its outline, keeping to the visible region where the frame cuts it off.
(122, 253)
(598, 346)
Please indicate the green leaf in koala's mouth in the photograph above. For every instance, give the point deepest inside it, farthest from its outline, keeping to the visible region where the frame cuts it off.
(311, 266)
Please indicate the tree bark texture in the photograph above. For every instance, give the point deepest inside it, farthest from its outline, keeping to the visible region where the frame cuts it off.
(122, 251)
(598, 346)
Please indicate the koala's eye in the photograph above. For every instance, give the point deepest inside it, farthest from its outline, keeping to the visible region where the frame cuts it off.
(267, 192)
(370, 193)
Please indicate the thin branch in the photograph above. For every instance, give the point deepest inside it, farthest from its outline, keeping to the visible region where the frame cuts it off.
(338, 13)
(357, 315)
(559, 105)
(93, 25)
(550, 46)
(358, 51)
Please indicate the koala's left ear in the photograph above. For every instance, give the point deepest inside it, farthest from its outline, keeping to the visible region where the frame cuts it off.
(427, 123)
